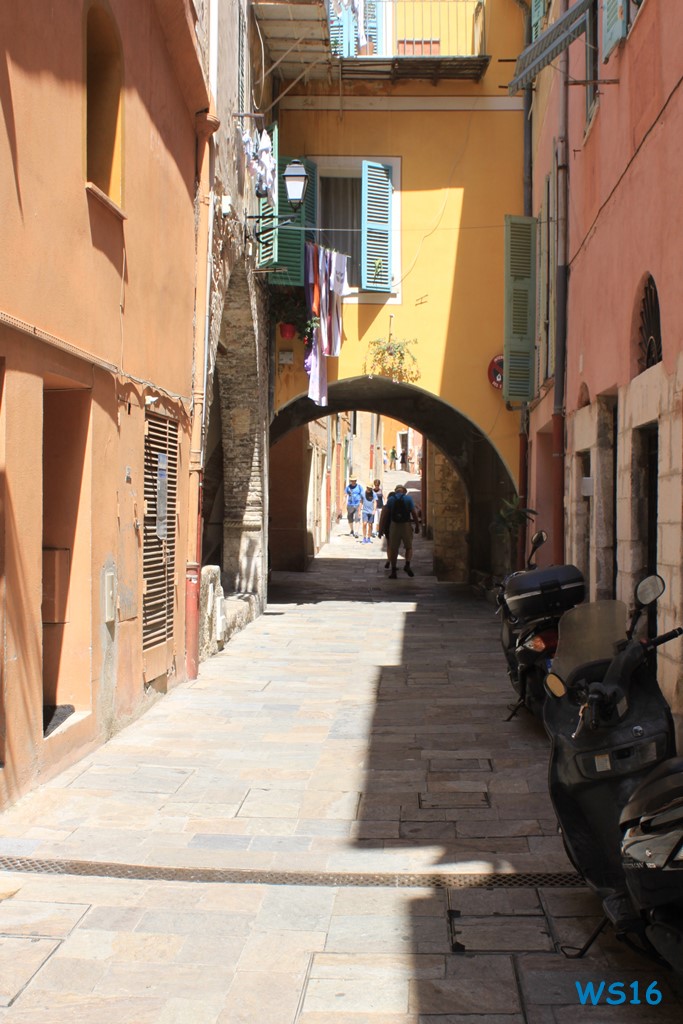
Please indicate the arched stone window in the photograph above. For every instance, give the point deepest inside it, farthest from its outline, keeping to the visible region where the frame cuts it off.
(104, 79)
(649, 332)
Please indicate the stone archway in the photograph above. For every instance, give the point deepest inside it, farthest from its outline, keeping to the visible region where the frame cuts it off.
(472, 455)
(234, 486)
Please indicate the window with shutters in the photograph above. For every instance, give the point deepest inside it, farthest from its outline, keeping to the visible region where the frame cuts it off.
(352, 205)
(615, 19)
(520, 292)
(538, 13)
(359, 30)
(359, 214)
(159, 541)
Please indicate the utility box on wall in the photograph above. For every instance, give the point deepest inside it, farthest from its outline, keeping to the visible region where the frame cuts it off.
(56, 570)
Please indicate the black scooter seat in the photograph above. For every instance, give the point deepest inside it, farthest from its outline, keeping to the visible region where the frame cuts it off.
(661, 790)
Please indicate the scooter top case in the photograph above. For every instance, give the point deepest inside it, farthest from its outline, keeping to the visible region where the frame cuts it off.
(652, 847)
(593, 772)
(541, 593)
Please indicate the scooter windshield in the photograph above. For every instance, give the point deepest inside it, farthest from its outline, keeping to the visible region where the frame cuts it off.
(589, 632)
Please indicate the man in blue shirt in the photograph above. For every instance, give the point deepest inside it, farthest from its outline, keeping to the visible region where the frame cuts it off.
(354, 495)
(402, 516)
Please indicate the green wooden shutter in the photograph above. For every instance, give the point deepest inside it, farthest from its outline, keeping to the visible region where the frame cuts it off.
(376, 195)
(614, 25)
(290, 243)
(268, 247)
(518, 350)
(311, 201)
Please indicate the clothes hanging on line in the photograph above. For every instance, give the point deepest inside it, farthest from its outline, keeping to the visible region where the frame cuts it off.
(338, 289)
(325, 285)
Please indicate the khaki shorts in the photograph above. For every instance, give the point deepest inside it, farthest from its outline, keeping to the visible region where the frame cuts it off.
(400, 532)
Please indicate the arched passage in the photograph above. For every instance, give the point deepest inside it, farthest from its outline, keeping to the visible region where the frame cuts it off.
(475, 459)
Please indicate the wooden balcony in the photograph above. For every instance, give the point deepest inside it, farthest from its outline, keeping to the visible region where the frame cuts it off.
(395, 40)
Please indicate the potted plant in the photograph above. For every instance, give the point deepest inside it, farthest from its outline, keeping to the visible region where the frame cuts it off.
(288, 308)
(507, 522)
(391, 357)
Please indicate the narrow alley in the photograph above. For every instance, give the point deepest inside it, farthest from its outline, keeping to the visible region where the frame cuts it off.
(334, 824)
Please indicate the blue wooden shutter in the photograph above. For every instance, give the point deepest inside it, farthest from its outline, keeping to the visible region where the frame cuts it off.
(373, 26)
(342, 31)
(537, 12)
(376, 195)
(614, 25)
(268, 247)
(518, 349)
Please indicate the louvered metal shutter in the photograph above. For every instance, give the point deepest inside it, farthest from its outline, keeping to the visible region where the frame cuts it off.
(159, 543)
(376, 232)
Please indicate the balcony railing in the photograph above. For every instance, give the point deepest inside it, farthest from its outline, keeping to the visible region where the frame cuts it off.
(407, 28)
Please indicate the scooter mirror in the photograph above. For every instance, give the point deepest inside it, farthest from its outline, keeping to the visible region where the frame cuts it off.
(650, 590)
(554, 685)
(539, 538)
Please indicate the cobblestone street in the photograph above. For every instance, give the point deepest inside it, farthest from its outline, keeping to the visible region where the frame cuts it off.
(333, 825)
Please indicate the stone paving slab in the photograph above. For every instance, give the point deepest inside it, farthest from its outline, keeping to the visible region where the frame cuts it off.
(356, 728)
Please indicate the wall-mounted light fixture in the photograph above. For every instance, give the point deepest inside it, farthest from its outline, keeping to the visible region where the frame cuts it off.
(295, 178)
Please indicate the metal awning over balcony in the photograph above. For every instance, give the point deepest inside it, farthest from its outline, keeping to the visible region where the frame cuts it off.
(398, 40)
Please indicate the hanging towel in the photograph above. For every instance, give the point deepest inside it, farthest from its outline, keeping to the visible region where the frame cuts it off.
(324, 283)
(317, 382)
(339, 288)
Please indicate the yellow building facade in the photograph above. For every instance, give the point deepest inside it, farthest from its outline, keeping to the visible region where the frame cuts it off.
(429, 106)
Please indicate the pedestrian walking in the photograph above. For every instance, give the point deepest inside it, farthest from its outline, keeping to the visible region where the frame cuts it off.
(354, 496)
(385, 459)
(368, 506)
(383, 527)
(403, 458)
(401, 517)
(392, 458)
(379, 505)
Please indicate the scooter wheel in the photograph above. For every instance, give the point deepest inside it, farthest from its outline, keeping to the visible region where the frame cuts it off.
(667, 939)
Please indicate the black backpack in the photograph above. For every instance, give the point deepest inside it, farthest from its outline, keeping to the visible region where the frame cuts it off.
(400, 513)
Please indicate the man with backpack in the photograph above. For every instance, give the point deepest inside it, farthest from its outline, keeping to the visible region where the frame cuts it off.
(398, 518)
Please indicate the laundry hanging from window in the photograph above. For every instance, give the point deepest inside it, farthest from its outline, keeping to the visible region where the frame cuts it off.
(325, 285)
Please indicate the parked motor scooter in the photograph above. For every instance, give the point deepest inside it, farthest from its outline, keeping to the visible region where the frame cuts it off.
(612, 737)
(531, 603)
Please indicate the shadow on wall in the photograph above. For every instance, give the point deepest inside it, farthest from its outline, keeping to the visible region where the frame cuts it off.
(21, 726)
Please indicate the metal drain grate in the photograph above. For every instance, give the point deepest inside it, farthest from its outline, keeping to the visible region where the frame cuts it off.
(146, 872)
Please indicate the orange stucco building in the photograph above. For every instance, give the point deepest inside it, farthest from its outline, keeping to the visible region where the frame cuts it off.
(603, 396)
(106, 119)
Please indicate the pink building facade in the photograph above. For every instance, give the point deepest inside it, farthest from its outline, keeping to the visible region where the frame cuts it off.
(603, 408)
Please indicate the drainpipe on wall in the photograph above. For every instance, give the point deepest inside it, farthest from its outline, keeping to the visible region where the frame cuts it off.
(206, 123)
(528, 207)
(560, 309)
